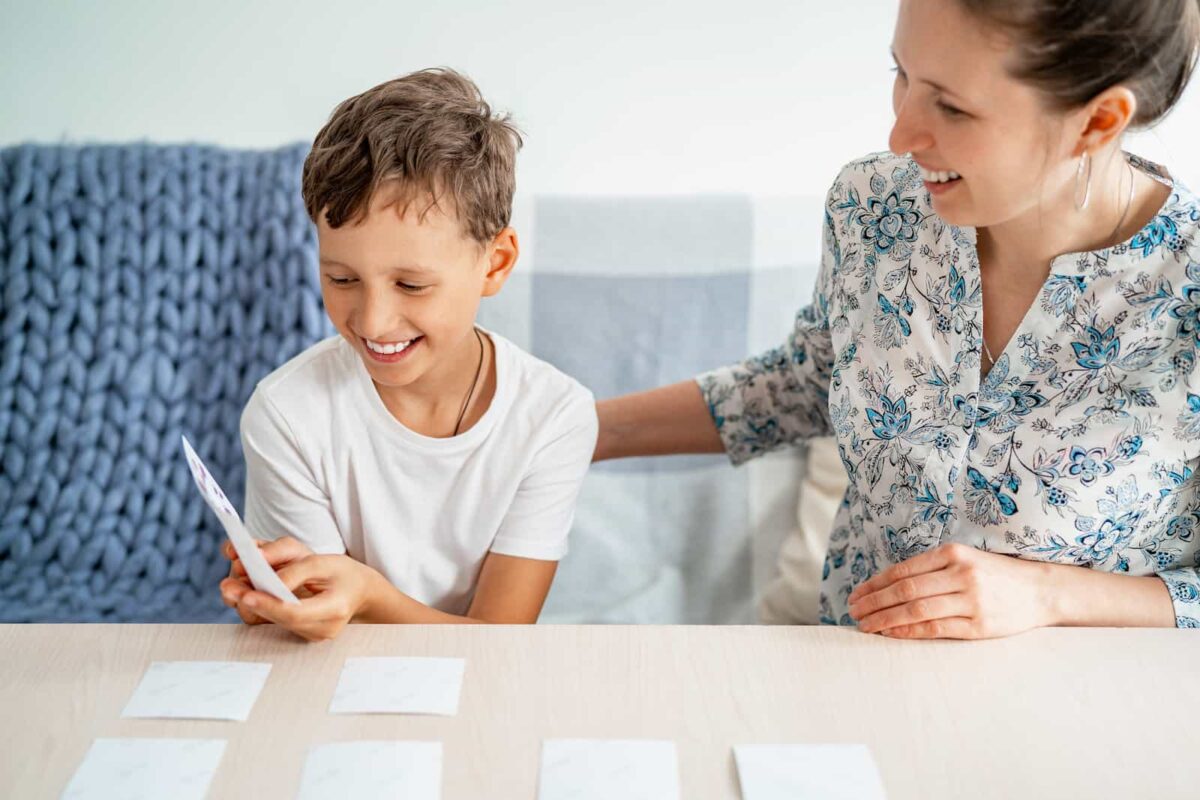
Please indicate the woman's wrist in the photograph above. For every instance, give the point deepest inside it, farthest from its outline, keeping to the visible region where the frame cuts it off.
(1080, 596)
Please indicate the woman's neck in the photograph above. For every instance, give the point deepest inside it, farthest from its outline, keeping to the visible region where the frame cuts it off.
(1056, 226)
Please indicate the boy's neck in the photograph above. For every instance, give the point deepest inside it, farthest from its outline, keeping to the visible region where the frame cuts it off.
(432, 405)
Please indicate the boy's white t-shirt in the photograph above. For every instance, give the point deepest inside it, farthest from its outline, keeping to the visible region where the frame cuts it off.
(327, 463)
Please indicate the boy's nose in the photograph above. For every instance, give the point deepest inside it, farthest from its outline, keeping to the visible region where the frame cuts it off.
(378, 318)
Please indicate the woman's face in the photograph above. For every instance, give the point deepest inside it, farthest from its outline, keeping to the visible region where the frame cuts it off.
(958, 111)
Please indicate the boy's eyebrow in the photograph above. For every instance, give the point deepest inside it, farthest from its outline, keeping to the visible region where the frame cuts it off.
(934, 84)
(408, 269)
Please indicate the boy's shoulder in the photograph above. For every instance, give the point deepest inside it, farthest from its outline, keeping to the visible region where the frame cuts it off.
(539, 389)
(306, 383)
(315, 365)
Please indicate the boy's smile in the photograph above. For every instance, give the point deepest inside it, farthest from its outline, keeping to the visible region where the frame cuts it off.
(392, 352)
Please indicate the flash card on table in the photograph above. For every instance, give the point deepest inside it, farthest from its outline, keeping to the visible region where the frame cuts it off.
(262, 576)
(808, 772)
(598, 769)
(198, 690)
(399, 686)
(373, 771)
(146, 769)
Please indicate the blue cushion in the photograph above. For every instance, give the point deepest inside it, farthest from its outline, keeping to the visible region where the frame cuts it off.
(146, 290)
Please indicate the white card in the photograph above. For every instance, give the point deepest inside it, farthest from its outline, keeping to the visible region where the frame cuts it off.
(262, 576)
(198, 690)
(146, 769)
(399, 686)
(600, 769)
(808, 772)
(373, 771)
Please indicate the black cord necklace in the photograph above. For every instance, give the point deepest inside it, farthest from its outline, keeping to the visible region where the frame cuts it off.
(471, 391)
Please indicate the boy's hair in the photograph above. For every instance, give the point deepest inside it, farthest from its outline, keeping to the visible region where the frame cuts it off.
(429, 132)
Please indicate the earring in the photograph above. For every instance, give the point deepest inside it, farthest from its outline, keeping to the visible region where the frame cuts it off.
(1084, 173)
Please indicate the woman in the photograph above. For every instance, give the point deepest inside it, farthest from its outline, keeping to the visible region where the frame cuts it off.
(1003, 338)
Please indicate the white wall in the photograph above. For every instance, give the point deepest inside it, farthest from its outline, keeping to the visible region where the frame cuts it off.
(761, 96)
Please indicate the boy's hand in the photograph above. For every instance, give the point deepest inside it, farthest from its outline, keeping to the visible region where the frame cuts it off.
(278, 554)
(332, 591)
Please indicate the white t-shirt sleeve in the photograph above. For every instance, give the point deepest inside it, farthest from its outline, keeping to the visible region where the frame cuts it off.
(282, 496)
(540, 516)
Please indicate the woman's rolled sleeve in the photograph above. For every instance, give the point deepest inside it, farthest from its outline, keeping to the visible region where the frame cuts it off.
(781, 396)
(1184, 586)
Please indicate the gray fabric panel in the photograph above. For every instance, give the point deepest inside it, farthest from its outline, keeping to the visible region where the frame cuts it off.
(644, 236)
(629, 334)
(658, 548)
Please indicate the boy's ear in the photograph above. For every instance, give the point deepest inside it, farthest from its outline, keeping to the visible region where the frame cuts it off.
(502, 257)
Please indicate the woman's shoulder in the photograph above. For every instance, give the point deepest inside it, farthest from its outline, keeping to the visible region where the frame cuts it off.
(878, 181)
(880, 202)
(881, 170)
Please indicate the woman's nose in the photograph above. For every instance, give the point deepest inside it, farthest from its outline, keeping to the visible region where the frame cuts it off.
(909, 133)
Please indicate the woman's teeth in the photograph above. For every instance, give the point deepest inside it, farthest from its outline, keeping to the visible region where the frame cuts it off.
(938, 176)
(389, 349)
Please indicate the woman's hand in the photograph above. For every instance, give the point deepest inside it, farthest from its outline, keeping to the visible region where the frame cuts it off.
(955, 592)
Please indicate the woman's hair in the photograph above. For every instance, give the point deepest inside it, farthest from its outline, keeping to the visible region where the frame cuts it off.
(1072, 50)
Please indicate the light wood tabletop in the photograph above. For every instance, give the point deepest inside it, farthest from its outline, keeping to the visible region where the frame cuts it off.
(1052, 713)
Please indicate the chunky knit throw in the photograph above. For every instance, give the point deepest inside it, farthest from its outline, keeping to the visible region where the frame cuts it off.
(146, 290)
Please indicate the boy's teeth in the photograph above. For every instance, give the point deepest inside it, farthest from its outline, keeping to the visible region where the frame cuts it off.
(389, 349)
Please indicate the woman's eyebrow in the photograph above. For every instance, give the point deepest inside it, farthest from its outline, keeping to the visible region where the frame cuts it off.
(934, 84)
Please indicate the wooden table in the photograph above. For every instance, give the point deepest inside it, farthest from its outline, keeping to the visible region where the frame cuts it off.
(1053, 713)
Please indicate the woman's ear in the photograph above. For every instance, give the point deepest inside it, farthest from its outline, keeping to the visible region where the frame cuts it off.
(502, 257)
(1105, 118)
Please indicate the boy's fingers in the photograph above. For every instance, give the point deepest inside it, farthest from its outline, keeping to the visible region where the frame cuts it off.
(249, 617)
(274, 610)
(232, 590)
(300, 572)
(283, 551)
(316, 618)
(232, 593)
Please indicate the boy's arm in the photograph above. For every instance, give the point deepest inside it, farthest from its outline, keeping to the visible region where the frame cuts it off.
(284, 502)
(337, 590)
(283, 495)
(511, 591)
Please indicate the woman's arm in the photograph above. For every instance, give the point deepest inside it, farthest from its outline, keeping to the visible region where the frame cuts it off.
(669, 420)
(958, 592)
(1086, 597)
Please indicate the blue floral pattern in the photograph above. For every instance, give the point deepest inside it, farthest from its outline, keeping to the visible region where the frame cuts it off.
(1079, 446)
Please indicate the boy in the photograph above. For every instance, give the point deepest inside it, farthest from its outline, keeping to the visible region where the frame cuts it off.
(414, 468)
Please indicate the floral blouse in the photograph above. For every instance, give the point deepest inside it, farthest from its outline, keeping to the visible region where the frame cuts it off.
(1081, 444)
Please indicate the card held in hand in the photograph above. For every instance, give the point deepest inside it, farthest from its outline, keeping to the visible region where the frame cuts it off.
(262, 576)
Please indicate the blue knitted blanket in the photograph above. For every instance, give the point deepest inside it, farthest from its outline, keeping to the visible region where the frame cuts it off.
(146, 290)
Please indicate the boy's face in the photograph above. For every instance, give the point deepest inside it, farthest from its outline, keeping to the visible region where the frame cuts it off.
(395, 282)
